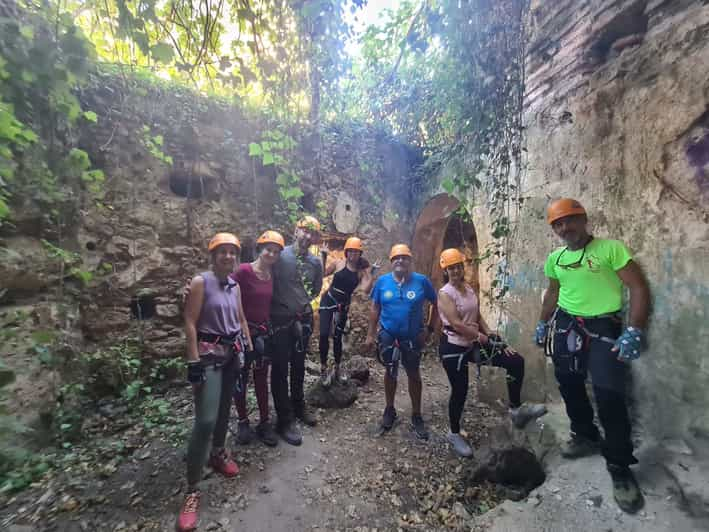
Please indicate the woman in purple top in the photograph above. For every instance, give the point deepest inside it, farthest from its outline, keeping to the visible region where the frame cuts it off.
(467, 337)
(215, 326)
(256, 282)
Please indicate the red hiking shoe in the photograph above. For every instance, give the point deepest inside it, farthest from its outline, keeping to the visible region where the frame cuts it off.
(223, 463)
(187, 519)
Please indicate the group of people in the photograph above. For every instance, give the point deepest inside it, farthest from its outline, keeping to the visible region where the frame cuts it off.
(241, 319)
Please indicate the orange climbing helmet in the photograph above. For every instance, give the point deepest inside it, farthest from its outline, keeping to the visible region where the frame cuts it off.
(451, 256)
(563, 207)
(223, 238)
(308, 222)
(398, 250)
(354, 243)
(271, 237)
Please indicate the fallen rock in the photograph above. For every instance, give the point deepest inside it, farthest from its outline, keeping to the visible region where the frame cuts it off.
(510, 466)
(357, 368)
(338, 395)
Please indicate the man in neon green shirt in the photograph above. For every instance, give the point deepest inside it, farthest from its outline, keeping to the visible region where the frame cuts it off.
(580, 326)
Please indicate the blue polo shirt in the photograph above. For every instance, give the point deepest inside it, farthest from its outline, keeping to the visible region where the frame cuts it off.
(402, 304)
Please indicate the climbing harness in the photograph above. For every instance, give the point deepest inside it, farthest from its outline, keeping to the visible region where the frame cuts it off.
(567, 345)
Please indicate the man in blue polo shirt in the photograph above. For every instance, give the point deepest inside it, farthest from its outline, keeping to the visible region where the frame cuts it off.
(398, 308)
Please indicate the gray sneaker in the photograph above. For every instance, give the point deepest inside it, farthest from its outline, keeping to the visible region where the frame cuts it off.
(460, 446)
(579, 446)
(522, 415)
(325, 378)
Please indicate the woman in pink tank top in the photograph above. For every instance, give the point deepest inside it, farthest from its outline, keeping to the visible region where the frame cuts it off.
(467, 337)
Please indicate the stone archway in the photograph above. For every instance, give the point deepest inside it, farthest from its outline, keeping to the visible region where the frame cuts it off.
(438, 227)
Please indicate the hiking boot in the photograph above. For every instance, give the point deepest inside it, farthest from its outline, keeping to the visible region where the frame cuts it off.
(523, 414)
(325, 378)
(290, 433)
(388, 418)
(305, 416)
(626, 491)
(579, 446)
(244, 433)
(419, 428)
(460, 446)
(187, 520)
(222, 462)
(266, 434)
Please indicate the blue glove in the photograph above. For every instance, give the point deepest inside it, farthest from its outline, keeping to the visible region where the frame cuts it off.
(540, 333)
(629, 343)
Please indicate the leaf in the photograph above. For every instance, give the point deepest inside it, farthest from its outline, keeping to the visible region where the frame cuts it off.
(255, 149)
(448, 186)
(42, 337)
(4, 209)
(162, 52)
(268, 158)
(90, 116)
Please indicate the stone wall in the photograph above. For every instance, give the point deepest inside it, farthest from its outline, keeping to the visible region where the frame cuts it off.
(617, 115)
(150, 233)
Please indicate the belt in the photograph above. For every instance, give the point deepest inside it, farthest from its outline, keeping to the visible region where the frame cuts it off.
(217, 338)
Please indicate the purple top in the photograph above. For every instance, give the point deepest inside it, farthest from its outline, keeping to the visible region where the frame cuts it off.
(220, 309)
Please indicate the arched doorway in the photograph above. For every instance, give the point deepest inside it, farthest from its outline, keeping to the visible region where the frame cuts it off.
(438, 227)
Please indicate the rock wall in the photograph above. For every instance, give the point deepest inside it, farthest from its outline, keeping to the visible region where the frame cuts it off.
(617, 115)
(149, 234)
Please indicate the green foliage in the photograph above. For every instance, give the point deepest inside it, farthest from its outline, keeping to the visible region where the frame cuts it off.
(154, 144)
(278, 149)
(44, 57)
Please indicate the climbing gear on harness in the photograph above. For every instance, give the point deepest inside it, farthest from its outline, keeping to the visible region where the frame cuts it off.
(399, 250)
(460, 446)
(629, 343)
(309, 223)
(418, 426)
(195, 372)
(353, 243)
(388, 418)
(392, 367)
(187, 520)
(219, 350)
(626, 491)
(271, 237)
(540, 333)
(568, 345)
(223, 238)
(450, 257)
(563, 207)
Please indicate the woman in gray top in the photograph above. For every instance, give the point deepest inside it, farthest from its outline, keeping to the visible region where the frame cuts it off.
(216, 331)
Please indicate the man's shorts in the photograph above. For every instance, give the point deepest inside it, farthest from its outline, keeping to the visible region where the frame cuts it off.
(410, 352)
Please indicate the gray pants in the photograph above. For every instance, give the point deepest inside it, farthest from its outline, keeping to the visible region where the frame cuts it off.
(212, 401)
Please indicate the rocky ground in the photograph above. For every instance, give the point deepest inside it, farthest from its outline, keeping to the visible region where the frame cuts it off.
(130, 476)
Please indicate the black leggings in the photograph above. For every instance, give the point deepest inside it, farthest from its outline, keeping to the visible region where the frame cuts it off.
(326, 316)
(457, 371)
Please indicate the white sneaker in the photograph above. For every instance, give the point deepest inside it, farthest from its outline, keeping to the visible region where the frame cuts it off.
(522, 415)
(460, 446)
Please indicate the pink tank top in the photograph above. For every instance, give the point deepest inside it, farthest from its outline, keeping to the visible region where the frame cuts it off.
(467, 307)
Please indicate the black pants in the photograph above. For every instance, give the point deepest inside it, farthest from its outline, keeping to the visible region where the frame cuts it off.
(326, 318)
(457, 371)
(610, 381)
(289, 350)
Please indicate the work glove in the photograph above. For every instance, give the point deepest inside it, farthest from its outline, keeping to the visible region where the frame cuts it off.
(629, 344)
(540, 332)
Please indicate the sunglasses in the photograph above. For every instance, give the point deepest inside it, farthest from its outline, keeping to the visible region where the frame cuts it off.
(573, 265)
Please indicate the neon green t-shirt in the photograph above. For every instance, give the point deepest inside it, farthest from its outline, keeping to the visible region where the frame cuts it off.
(593, 288)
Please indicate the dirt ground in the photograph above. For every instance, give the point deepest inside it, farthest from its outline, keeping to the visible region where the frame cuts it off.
(343, 477)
